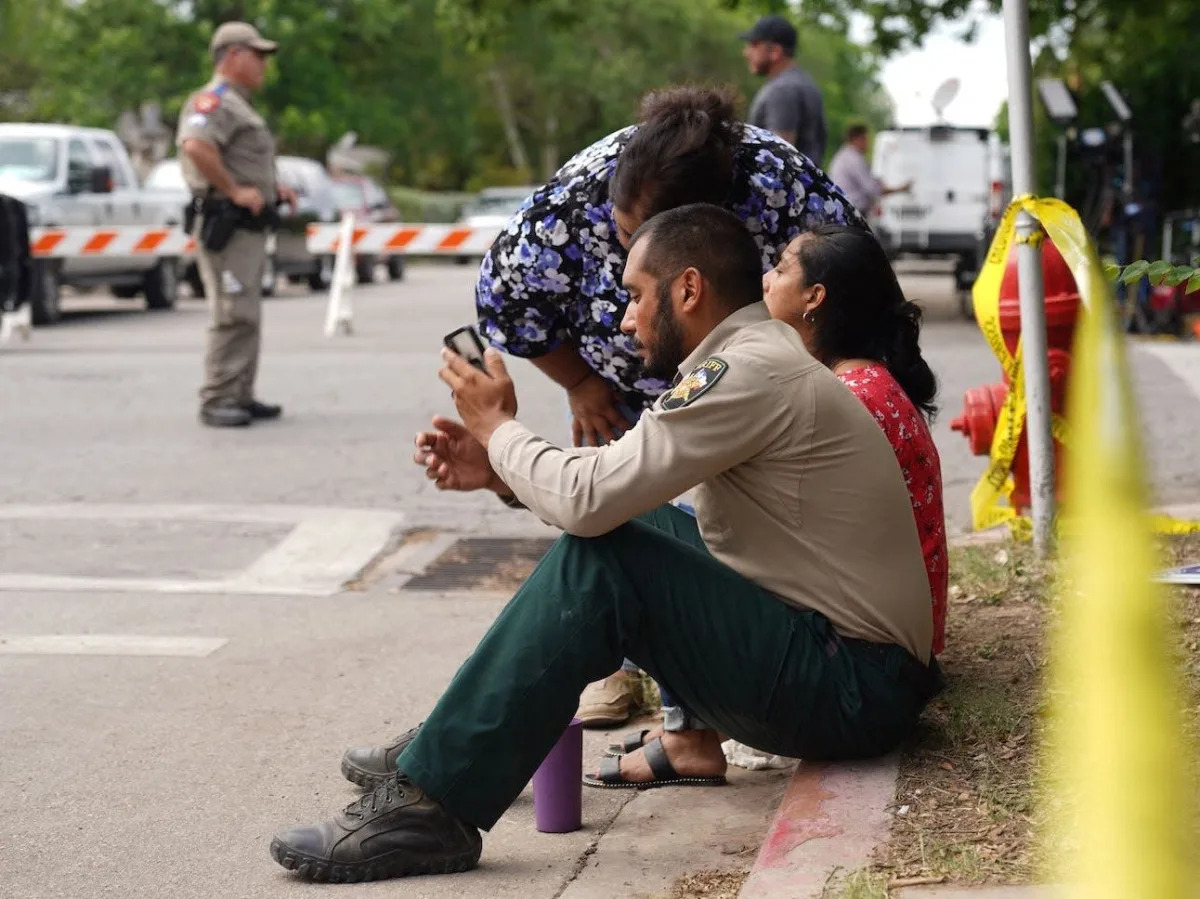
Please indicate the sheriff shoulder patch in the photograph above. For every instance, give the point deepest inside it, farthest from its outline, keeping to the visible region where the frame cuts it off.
(701, 378)
(207, 102)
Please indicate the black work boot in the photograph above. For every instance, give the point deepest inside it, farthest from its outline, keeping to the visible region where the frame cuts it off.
(224, 414)
(369, 766)
(395, 831)
(261, 411)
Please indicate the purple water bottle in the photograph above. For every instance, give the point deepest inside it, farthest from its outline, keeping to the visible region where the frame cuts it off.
(557, 784)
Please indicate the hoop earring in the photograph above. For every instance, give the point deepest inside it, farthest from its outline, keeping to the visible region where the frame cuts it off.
(809, 317)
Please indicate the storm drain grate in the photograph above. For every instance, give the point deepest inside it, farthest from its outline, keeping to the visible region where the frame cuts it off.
(482, 563)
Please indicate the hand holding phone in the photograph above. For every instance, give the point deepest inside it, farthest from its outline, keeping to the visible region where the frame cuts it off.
(484, 403)
(465, 342)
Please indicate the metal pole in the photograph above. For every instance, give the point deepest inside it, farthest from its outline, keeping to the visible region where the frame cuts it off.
(1060, 179)
(1128, 154)
(1029, 277)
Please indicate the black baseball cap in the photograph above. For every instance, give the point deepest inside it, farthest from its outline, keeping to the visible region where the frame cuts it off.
(773, 30)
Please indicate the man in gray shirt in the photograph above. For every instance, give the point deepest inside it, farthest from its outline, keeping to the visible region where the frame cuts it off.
(790, 102)
(850, 171)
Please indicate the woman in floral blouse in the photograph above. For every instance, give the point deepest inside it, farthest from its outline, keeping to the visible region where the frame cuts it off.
(550, 286)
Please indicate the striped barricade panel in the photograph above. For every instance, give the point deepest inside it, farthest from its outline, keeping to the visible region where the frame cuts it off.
(122, 240)
(414, 239)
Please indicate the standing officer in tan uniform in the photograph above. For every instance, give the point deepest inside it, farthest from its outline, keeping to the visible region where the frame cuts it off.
(793, 613)
(228, 159)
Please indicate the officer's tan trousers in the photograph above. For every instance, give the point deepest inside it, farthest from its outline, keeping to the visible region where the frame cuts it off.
(233, 288)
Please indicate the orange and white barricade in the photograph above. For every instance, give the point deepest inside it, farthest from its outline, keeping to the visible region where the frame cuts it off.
(87, 241)
(119, 240)
(413, 239)
(347, 237)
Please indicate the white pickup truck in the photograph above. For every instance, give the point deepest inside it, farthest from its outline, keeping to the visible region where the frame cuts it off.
(82, 177)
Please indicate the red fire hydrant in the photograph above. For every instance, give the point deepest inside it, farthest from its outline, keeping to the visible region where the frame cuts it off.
(981, 405)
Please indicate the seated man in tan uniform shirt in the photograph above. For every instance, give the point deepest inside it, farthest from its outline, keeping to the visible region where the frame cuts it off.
(792, 614)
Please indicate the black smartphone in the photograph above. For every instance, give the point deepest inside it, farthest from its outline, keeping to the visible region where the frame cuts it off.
(466, 342)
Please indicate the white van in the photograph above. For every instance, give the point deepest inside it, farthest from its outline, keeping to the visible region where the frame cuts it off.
(959, 188)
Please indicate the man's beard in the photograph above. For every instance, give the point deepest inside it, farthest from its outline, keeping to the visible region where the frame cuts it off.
(666, 354)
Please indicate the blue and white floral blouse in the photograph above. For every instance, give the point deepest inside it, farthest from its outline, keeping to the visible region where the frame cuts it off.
(553, 275)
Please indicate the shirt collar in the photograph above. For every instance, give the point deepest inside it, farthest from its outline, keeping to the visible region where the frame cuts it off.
(219, 80)
(722, 335)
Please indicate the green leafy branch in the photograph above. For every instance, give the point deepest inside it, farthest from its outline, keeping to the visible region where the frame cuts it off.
(1160, 272)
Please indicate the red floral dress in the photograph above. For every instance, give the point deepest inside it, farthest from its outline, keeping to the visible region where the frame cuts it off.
(908, 433)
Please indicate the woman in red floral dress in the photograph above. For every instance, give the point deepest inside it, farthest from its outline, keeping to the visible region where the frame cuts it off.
(835, 286)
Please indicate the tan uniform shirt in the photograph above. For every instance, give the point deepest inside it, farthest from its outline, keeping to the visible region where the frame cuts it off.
(797, 488)
(222, 115)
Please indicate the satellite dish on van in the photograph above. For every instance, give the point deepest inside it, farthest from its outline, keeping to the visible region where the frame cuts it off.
(945, 93)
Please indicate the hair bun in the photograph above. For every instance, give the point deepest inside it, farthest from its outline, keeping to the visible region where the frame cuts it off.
(707, 110)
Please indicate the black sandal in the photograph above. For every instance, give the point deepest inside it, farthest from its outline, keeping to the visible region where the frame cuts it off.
(632, 743)
(664, 773)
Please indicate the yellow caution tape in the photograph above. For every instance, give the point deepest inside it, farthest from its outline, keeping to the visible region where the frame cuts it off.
(1120, 801)
(1062, 224)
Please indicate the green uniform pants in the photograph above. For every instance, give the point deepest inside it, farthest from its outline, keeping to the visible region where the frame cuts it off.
(767, 674)
(233, 287)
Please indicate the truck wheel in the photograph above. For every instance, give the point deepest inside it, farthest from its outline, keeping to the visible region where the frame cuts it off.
(162, 285)
(364, 270)
(195, 281)
(323, 276)
(125, 291)
(965, 272)
(395, 267)
(269, 277)
(966, 305)
(44, 299)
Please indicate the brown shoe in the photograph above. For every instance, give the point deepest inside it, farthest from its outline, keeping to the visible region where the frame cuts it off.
(609, 702)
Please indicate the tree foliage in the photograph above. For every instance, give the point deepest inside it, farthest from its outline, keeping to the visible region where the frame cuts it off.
(459, 92)
(1145, 47)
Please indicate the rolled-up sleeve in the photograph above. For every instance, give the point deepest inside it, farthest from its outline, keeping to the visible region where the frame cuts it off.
(588, 493)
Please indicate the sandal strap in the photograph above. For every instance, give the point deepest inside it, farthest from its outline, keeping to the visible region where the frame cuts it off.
(656, 757)
(634, 741)
(610, 771)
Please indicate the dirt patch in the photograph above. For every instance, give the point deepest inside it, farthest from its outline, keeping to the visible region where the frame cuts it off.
(486, 564)
(378, 568)
(965, 801)
(707, 884)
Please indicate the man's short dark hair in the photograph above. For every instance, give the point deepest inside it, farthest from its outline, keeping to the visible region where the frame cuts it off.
(856, 130)
(710, 239)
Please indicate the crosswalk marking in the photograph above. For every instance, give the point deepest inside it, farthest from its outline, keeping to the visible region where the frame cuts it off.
(109, 645)
(325, 548)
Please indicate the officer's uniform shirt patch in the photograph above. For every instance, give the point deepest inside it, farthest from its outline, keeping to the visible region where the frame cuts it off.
(697, 382)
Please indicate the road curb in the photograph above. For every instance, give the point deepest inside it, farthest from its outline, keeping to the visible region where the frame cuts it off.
(831, 818)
